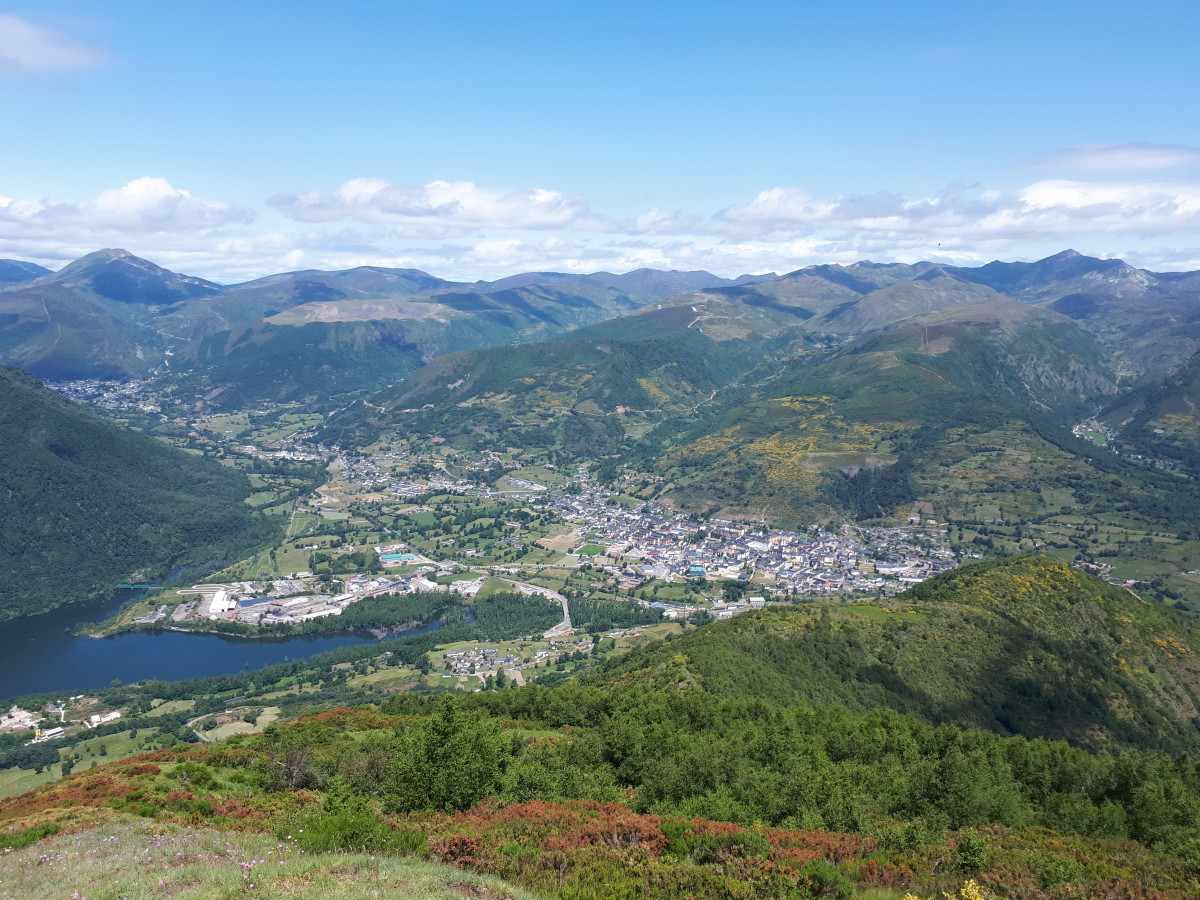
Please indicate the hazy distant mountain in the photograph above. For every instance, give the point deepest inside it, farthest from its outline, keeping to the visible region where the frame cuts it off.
(120, 277)
(644, 284)
(310, 333)
(1152, 320)
(1061, 274)
(265, 296)
(112, 314)
(325, 333)
(14, 271)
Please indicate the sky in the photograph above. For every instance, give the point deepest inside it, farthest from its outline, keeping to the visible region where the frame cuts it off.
(475, 140)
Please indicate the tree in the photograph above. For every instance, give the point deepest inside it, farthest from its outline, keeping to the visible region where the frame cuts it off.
(450, 762)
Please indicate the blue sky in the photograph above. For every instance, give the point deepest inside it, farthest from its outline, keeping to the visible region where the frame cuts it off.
(475, 140)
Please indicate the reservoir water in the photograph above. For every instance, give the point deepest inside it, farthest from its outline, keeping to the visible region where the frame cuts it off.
(40, 654)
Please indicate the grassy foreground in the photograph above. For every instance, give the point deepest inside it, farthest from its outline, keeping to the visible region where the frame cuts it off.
(128, 858)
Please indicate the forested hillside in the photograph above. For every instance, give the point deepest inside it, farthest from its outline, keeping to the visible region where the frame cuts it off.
(1018, 646)
(88, 504)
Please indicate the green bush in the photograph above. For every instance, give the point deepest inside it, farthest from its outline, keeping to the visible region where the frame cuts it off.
(450, 762)
(714, 848)
(353, 831)
(971, 853)
(1053, 872)
(826, 880)
(197, 776)
(29, 836)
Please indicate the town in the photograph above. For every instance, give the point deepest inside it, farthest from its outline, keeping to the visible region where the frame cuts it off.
(630, 545)
(649, 542)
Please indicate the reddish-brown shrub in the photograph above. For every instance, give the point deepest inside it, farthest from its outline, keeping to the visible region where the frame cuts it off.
(144, 769)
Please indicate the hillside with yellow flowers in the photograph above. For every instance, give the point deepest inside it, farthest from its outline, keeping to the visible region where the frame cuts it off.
(1025, 645)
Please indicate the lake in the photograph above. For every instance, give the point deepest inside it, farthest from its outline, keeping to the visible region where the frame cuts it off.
(40, 654)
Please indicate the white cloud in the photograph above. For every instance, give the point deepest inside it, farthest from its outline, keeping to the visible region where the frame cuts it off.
(26, 47)
(464, 232)
(661, 221)
(152, 204)
(1129, 157)
(439, 209)
(1059, 209)
(143, 206)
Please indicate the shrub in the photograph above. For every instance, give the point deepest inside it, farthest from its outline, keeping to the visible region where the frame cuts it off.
(450, 762)
(1053, 872)
(353, 831)
(826, 880)
(971, 853)
(27, 837)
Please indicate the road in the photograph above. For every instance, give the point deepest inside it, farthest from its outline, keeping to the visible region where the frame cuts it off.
(191, 723)
(563, 628)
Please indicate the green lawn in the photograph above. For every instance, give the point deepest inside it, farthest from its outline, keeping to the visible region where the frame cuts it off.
(14, 782)
(171, 706)
(116, 746)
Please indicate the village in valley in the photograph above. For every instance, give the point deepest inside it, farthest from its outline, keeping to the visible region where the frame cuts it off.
(412, 522)
(418, 516)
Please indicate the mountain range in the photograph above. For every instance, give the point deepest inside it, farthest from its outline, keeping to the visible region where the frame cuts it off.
(931, 726)
(1063, 337)
(771, 399)
(827, 393)
(112, 315)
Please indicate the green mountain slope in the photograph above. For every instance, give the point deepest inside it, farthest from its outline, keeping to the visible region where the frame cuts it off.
(57, 333)
(88, 503)
(780, 441)
(1161, 420)
(1018, 646)
(754, 416)
(585, 396)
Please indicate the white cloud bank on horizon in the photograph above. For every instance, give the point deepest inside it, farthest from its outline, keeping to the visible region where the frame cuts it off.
(462, 231)
(1046, 209)
(441, 208)
(28, 48)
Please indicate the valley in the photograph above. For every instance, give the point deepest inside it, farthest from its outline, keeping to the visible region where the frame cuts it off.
(596, 452)
(592, 527)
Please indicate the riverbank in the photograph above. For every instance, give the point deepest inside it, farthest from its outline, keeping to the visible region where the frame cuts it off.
(273, 632)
